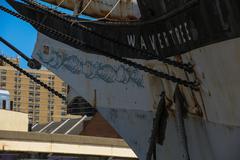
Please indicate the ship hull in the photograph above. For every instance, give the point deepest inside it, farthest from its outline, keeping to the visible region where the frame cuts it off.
(192, 24)
(206, 140)
(128, 98)
(204, 34)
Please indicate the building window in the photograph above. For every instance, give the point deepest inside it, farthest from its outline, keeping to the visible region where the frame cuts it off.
(51, 83)
(50, 95)
(36, 112)
(3, 71)
(36, 75)
(37, 99)
(3, 84)
(31, 82)
(63, 90)
(17, 79)
(63, 107)
(3, 104)
(51, 77)
(51, 101)
(31, 93)
(31, 87)
(17, 73)
(3, 78)
(30, 110)
(36, 118)
(30, 99)
(37, 87)
(37, 106)
(37, 94)
(63, 102)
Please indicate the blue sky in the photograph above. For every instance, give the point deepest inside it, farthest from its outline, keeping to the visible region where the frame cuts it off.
(19, 33)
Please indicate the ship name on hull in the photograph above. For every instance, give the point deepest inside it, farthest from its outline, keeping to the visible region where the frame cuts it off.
(173, 37)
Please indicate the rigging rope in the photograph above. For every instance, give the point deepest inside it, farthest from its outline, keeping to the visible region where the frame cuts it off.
(76, 8)
(112, 9)
(188, 67)
(59, 4)
(102, 18)
(85, 7)
(89, 2)
(32, 63)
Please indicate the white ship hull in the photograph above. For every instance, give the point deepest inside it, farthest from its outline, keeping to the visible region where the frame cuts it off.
(128, 98)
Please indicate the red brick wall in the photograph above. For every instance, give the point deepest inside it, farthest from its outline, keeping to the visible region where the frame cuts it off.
(99, 127)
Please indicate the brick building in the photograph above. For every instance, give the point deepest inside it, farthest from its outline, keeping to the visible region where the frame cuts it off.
(29, 97)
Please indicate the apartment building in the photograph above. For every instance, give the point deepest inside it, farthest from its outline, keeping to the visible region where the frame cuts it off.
(29, 97)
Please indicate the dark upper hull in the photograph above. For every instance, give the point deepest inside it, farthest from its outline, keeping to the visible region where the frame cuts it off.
(184, 29)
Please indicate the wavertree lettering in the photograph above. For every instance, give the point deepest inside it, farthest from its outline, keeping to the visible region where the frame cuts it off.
(173, 37)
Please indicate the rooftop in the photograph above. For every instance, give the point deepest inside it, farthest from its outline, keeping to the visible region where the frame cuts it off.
(4, 92)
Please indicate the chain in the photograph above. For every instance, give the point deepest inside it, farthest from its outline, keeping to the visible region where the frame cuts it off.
(191, 84)
(32, 77)
(32, 63)
(188, 67)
